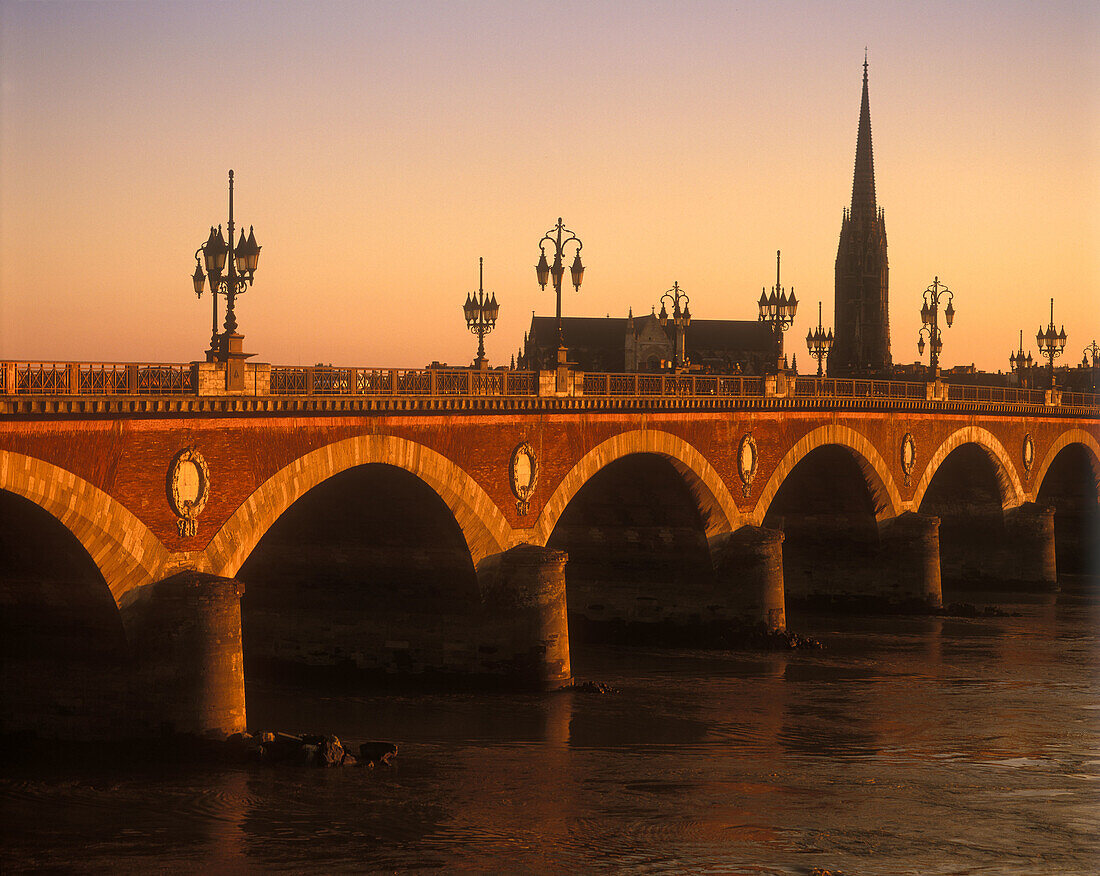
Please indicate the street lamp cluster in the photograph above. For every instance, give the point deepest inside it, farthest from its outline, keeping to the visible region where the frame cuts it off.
(681, 319)
(1020, 363)
(778, 310)
(230, 269)
(481, 314)
(1051, 343)
(818, 343)
(545, 271)
(930, 317)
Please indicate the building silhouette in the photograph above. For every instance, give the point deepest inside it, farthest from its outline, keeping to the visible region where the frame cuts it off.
(861, 316)
(641, 343)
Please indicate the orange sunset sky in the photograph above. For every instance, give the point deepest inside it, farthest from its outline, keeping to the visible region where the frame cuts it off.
(381, 148)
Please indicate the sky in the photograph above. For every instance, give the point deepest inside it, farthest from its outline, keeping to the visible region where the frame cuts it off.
(380, 149)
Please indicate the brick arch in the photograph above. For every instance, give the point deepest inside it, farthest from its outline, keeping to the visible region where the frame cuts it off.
(1070, 436)
(127, 554)
(716, 506)
(1008, 480)
(482, 524)
(876, 474)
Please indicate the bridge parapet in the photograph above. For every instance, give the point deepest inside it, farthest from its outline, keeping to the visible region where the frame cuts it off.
(95, 388)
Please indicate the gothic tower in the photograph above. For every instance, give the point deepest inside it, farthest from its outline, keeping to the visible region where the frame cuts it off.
(861, 316)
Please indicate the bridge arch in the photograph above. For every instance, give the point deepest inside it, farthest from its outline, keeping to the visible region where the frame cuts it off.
(884, 492)
(1070, 436)
(1008, 480)
(127, 554)
(716, 506)
(483, 526)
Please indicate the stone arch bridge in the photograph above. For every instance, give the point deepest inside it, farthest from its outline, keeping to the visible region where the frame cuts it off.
(679, 499)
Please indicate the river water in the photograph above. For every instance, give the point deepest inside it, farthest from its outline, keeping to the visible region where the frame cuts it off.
(907, 746)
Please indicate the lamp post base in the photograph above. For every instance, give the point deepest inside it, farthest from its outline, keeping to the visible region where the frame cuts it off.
(563, 369)
(232, 354)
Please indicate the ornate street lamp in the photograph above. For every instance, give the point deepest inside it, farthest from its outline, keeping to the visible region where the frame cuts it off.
(930, 316)
(481, 315)
(819, 343)
(681, 319)
(241, 257)
(1051, 343)
(545, 271)
(1020, 363)
(1095, 352)
(777, 310)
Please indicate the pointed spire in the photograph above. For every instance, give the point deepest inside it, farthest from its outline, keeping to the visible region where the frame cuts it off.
(863, 181)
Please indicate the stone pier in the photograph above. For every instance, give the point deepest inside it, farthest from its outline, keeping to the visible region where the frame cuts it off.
(186, 637)
(910, 545)
(748, 571)
(525, 615)
(1029, 547)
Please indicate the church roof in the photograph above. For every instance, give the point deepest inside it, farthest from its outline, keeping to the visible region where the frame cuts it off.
(702, 334)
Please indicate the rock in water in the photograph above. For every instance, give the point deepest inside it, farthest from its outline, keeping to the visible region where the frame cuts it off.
(330, 752)
(373, 753)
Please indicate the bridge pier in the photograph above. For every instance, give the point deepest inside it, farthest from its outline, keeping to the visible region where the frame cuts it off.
(1029, 545)
(748, 567)
(910, 545)
(523, 595)
(186, 636)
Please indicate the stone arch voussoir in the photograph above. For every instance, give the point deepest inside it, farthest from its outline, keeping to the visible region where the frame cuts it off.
(876, 473)
(1008, 479)
(127, 554)
(712, 497)
(1076, 435)
(481, 521)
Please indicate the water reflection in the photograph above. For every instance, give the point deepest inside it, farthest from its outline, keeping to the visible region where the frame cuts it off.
(905, 746)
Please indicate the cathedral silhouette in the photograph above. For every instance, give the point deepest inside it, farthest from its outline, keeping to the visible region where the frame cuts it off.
(861, 345)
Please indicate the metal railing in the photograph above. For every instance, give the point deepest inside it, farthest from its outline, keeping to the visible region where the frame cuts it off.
(840, 387)
(154, 379)
(644, 385)
(95, 378)
(426, 382)
(1002, 394)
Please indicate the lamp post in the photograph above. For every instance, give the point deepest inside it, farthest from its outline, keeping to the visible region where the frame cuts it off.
(681, 319)
(1051, 343)
(1021, 364)
(1095, 351)
(818, 342)
(930, 316)
(777, 310)
(546, 272)
(481, 315)
(242, 257)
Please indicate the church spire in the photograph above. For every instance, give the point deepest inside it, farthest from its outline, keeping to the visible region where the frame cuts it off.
(861, 339)
(863, 181)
